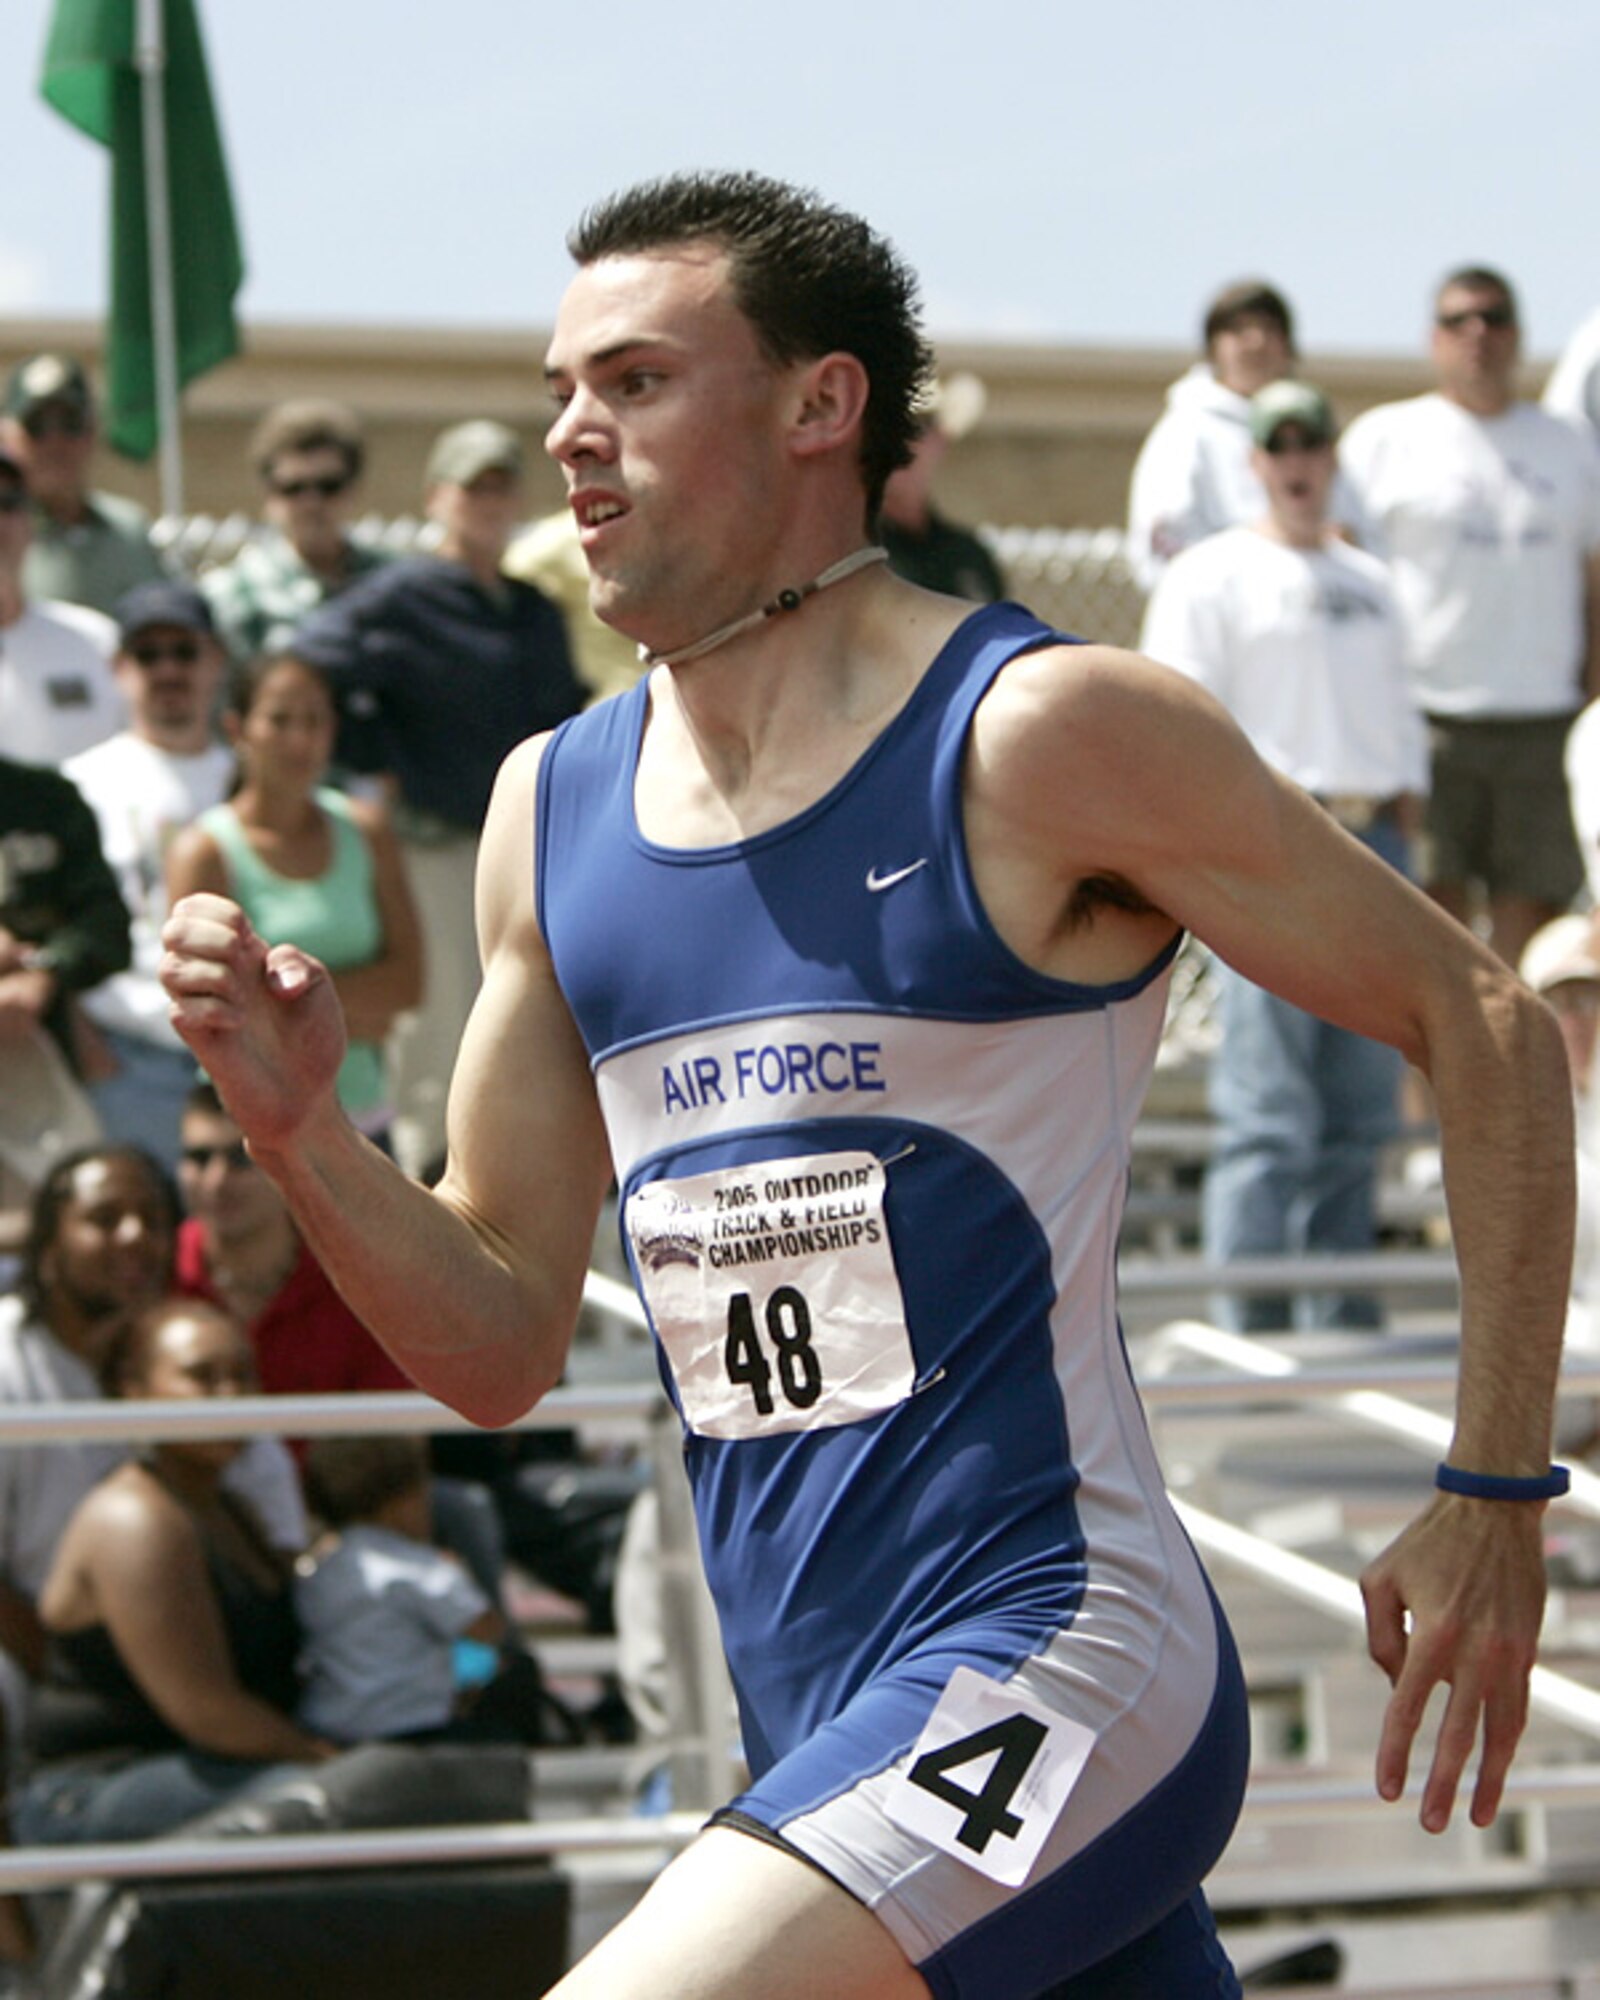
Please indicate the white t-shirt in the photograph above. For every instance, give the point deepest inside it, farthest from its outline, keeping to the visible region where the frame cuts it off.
(1573, 391)
(57, 694)
(41, 1485)
(1487, 523)
(1302, 647)
(143, 797)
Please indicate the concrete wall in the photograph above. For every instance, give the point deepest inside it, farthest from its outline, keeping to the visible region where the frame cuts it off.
(1055, 446)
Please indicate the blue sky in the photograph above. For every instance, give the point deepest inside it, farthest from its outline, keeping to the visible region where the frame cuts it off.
(1054, 171)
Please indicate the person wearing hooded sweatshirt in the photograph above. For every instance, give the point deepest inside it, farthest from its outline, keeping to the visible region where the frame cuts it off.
(1193, 475)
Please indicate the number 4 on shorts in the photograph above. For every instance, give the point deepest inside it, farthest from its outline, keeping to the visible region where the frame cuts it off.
(989, 1775)
(1018, 1740)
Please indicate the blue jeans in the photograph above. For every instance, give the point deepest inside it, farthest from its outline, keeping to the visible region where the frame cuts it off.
(141, 1103)
(139, 1800)
(1303, 1110)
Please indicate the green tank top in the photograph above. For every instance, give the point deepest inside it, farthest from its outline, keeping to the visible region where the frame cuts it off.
(333, 915)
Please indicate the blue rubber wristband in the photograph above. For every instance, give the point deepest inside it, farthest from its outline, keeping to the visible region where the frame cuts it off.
(1495, 1486)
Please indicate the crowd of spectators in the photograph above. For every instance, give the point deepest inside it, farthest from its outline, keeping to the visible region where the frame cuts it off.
(1406, 618)
(312, 729)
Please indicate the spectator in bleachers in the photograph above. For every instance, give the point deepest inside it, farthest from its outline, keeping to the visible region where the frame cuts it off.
(923, 546)
(1573, 390)
(442, 664)
(88, 547)
(238, 1248)
(311, 867)
(1487, 510)
(1193, 476)
(170, 1677)
(57, 694)
(309, 456)
(399, 1639)
(1297, 634)
(145, 785)
(100, 1244)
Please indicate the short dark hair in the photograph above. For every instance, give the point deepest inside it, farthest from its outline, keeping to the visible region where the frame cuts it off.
(203, 1097)
(248, 677)
(55, 1191)
(1248, 298)
(349, 1479)
(138, 1331)
(1477, 278)
(308, 425)
(810, 278)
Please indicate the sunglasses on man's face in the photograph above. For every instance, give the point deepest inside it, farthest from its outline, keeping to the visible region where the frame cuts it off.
(232, 1157)
(185, 651)
(328, 487)
(56, 423)
(1496, 318)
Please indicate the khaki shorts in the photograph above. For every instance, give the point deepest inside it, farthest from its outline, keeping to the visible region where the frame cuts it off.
(1498, 813)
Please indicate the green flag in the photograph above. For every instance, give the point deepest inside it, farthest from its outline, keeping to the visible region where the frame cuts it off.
(89, 77)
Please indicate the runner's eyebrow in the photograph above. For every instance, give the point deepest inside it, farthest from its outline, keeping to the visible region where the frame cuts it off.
(604, 356)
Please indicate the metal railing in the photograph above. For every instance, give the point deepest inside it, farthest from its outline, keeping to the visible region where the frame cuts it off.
(1241, 1374)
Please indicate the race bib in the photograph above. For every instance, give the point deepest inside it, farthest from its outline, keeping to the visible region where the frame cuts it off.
(774, 1294)
(989, 1776)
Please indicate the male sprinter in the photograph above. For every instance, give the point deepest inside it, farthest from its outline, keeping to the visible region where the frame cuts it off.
(843, 939)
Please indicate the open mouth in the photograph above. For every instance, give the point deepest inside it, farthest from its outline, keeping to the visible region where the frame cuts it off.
(594, 510)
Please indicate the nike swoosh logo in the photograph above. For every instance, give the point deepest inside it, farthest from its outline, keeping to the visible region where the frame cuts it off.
(877, 883)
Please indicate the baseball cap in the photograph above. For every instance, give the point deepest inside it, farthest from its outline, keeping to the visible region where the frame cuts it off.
(160, 603)
(1560, 952)
(47, 378)
(465, 451)
(1286, 402)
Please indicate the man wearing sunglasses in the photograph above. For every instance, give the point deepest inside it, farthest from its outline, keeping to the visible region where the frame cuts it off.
(88, 546)
(145, 784)
(309, 456)
(1488, 510)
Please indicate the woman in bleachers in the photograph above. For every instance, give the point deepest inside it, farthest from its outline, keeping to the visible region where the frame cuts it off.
(310, 866)
(170, 1677)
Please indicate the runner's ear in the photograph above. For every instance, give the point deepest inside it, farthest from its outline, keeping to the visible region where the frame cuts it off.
(830, 405)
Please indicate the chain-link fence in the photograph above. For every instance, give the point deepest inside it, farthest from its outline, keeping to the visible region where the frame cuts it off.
(1076, 579)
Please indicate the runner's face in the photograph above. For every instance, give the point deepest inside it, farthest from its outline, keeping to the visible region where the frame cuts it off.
(669, 428)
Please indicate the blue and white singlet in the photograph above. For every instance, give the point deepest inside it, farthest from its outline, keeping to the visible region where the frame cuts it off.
(872, 1168)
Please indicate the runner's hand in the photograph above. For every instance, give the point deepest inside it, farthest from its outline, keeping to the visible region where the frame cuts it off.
(1458, 1599)
(264, 1022)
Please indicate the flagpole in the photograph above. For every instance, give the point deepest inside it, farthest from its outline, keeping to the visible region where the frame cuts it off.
(150, 59)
